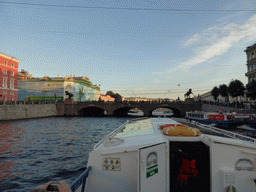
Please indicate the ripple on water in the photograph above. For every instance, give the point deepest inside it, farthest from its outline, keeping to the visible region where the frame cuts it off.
(36, 151)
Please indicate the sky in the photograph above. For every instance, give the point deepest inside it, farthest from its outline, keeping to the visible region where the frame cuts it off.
(137, 48)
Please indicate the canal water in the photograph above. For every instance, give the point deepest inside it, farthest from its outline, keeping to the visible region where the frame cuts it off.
(35, 151)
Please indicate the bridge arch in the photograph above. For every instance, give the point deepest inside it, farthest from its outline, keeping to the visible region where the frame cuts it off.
(123, 111)
(176, 112)
(91, 111)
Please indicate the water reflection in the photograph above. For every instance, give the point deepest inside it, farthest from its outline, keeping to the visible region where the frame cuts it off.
(9, 147)
(38, 150)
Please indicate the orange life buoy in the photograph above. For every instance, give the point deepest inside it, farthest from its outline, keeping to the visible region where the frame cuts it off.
(181, 131)
(172, 125)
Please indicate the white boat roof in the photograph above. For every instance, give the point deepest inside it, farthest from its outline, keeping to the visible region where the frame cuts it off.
(142, 133)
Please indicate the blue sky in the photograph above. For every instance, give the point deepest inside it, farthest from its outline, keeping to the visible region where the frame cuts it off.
(143, 48)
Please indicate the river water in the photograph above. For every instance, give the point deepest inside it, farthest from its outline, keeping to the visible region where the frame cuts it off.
(35, 151)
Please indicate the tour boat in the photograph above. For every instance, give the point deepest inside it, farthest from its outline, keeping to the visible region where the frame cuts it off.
(164, 154)
(220, 118)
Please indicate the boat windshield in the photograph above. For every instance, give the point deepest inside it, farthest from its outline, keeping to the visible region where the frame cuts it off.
(136, 128)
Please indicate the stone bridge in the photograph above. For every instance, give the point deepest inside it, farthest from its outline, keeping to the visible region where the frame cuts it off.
(71, 108)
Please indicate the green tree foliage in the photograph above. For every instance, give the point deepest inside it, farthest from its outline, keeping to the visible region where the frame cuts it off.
(223, 90)
(215, 93)
(110, 93)
(251, 90)
(117, 96)
(236, 88)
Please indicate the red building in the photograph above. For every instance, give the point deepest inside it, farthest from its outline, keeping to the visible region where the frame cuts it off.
(8, 78)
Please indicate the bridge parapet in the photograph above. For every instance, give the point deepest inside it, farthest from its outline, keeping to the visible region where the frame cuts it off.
(116, 108)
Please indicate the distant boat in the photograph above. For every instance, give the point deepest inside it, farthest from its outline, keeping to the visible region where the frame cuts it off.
(133, 111)
(221, 119)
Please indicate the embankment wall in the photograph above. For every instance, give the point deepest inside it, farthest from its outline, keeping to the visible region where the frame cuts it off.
(11, 112)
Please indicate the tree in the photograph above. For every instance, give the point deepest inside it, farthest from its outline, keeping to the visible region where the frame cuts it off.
(236, 88)
(117, 96)
(223, 90)
(251, 90)
(110, 93)
(215, 93)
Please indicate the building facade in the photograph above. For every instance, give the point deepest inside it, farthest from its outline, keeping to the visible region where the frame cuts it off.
(107, 98)
(8, 78)
(45, 86)
(251, 62)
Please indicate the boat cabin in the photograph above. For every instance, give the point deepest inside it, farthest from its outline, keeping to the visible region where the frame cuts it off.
(137, 156)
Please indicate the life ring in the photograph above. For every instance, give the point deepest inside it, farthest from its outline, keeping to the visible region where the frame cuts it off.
(172, 125)
(251, 117)
(181, 131)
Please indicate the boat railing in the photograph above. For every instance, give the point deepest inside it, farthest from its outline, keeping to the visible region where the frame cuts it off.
(222, 131)
(81, 180)
(138, 119)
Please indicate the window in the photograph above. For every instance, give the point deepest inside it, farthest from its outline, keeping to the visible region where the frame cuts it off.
(252, 55)
(12, 84)
(11, 99)
(12, 74)
(5, 63)
(12, 65)
(12, 93)
(4, 98)
(5, 82)
(4, 92)
(249, 57)
(5, 72)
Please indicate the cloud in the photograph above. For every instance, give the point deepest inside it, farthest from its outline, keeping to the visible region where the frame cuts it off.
(223, 39)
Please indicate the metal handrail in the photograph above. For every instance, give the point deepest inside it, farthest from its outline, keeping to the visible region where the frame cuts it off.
(221, 131)
(81, 180)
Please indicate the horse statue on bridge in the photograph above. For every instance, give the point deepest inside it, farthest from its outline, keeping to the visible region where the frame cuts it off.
(189, 92)
(69, 94)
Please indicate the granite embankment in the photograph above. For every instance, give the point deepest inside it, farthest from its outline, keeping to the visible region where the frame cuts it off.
(12, 112)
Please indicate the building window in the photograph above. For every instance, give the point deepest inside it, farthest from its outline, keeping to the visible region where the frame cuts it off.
(12, 84)
(12, 73)
(5, 72)
(4, 92)
(12, 93)
(4, 98)
(5, 82)
(11, 99)
(12, 65)
(5, 63)
(252, 55)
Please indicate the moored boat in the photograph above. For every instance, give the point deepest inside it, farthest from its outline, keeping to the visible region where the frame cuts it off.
(161, 154)
(220, 118)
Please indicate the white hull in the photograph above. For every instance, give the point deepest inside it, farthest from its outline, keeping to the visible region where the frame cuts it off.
(141, 158)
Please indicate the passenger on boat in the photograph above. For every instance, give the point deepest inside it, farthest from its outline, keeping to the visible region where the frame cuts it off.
(62, 187)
